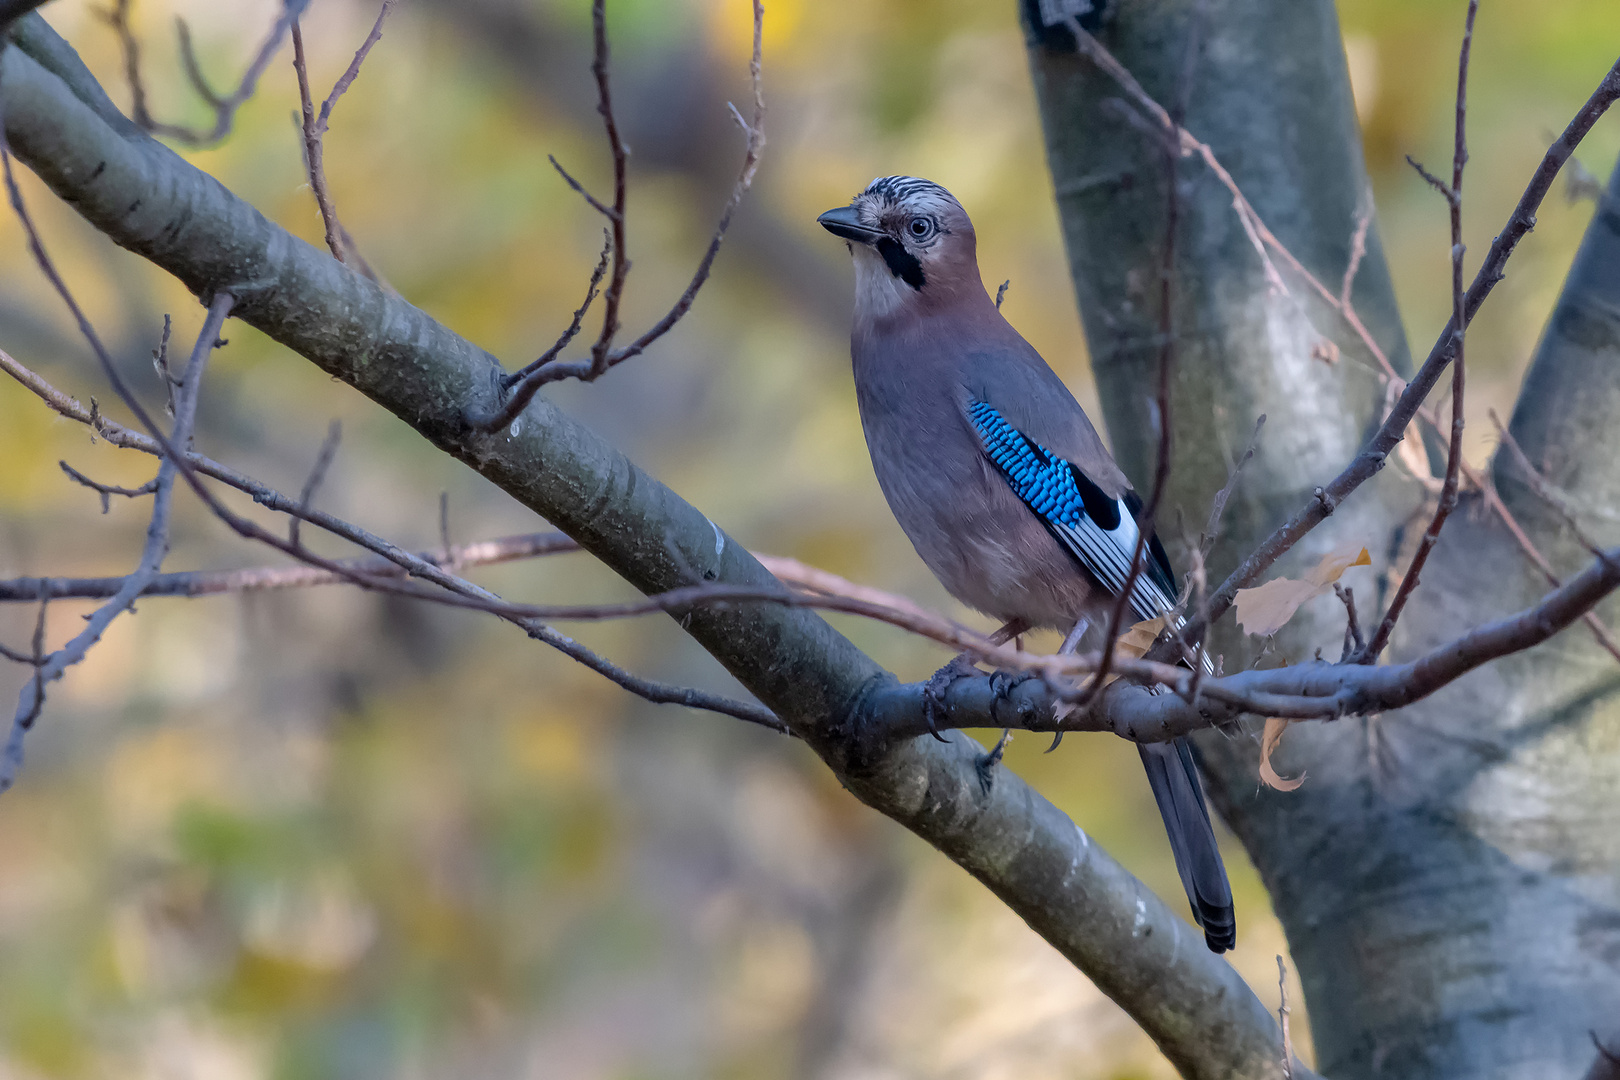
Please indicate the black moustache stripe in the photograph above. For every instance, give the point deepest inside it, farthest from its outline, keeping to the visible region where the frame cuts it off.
(902, 263)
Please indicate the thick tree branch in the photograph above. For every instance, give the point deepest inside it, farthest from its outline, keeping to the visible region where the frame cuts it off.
(1018, 844)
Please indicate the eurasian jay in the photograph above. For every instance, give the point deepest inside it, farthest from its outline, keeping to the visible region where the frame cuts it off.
(995, 473)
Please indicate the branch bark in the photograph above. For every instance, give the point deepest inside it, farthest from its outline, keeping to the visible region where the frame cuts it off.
(1027, 851)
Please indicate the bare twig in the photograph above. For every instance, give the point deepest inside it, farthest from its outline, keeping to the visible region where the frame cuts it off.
(1372, 456)
(1167, 349)
(315, 127)
(1539, 484)
(48, 668)
(1358, 251)
(528, 386)
(1459, 321)
(620, 155)
(105, 490)
(392, 561)
(224, 107)
(195, 583)
(1217, 508)
(596, 204)
(603, 354)
(1310, 690)
(317, 475)
(1600, 629)
(1353, 642)
(1282, 1019)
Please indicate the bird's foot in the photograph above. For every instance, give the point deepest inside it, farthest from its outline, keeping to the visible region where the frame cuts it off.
(1003, 683)
(961, 667)
(986, 764)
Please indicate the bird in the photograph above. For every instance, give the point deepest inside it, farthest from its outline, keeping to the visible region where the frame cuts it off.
(997, 476)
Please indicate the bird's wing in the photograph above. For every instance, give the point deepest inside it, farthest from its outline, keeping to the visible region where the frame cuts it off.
(1098, 529)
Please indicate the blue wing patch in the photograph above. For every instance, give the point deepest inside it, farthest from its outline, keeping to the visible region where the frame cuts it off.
(1098, 530)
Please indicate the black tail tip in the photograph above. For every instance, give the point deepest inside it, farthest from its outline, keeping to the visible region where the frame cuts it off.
(1220, 928)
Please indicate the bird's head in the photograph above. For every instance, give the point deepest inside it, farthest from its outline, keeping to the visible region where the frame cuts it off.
(912, 242)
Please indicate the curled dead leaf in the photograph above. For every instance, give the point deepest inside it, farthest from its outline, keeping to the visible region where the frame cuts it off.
(1410, 453)
(1275, 726)
(1265, 609)
(1136, 641)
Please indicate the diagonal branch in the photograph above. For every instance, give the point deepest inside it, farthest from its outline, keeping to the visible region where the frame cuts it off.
(1094, 912)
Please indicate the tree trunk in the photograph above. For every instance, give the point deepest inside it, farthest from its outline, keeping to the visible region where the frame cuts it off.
(1447, 876)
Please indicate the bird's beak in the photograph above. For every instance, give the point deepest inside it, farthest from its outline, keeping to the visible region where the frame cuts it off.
(845, 222)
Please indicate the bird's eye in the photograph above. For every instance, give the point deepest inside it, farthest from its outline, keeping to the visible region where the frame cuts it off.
(921, 228)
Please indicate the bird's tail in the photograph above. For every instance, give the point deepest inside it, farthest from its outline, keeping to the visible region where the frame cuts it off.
(1174, 779)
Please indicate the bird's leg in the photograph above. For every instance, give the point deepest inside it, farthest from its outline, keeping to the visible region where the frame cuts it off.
(986, 763)
(960, 667)
(1071, 644)
(1001, 685)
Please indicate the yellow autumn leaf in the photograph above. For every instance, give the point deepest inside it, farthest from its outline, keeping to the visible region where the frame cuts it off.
(1265, 609)
(1275, 726)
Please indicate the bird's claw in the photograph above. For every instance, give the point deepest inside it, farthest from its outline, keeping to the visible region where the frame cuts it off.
(986, 764)
(1003, 683)
(960, 667)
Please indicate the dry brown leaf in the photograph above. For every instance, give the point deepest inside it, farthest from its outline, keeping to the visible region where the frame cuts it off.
(1410, 453)
(1275, 726)
(1133, 643)
(1265, 609)
(1136, 641)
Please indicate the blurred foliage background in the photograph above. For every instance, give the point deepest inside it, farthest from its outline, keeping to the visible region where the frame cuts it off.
(325, 834)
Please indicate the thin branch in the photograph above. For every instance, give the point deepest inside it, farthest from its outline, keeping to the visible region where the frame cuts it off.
(224, 107)
(1459, 320)
(1371, 458)
(315, 127)
(603, 356)
(1282, 1019)
(1353, 642)
(1217, 508)
(105, 490)
(526, 380)
(50, 667)
(317, 475)
(1539, 484)
(596, 204)
(1600, 630)
(194, 583)
(1167, 356)
(392, 562)
(616, 147)
(1310, 690)
(1358, 251)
